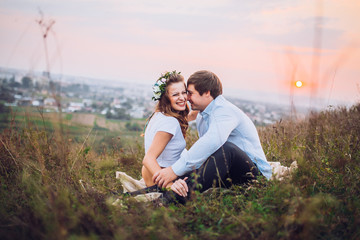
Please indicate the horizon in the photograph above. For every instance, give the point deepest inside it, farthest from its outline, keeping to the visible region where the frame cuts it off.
(300, 102)
(258, 48)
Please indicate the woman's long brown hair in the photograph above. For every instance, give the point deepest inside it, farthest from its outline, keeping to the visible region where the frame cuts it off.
(165, 107)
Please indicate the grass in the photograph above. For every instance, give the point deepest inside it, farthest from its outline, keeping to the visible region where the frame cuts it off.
(41, 197)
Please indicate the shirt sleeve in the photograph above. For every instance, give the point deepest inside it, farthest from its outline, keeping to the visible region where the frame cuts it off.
(221, 123)
(167, 124)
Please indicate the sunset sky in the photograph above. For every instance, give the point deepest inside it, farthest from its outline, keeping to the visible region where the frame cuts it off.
(256, 47)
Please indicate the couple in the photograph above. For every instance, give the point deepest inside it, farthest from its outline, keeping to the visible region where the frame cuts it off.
(227, 152)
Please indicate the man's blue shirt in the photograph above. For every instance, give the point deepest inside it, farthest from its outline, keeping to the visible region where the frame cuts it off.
(221, 121)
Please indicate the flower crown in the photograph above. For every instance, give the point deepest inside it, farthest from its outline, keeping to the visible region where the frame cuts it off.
(160, 85)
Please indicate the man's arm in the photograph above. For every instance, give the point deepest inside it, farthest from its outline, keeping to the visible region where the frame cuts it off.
(221, 124)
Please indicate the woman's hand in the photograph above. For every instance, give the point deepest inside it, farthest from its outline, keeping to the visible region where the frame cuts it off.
(180, 187)
(192, 115)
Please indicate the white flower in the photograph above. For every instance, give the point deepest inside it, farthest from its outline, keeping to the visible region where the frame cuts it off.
(157, 95)
(156, 88)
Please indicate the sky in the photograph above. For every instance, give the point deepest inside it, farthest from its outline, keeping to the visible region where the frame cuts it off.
(258, 48)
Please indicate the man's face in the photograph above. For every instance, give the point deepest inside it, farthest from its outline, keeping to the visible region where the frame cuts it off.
(197, 101)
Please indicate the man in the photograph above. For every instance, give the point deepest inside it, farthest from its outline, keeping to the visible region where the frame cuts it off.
(228, 150)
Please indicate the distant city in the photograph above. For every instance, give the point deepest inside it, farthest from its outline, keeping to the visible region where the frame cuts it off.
(121, 100)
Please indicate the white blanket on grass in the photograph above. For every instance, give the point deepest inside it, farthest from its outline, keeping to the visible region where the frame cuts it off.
(130, 184)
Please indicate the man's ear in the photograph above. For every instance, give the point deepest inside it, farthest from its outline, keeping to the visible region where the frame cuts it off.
(208, 95)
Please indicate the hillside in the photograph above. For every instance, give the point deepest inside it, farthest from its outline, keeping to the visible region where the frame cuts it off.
(41, 197)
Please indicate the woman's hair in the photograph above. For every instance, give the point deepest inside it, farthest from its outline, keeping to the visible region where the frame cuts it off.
(206, 81)
(165, 107)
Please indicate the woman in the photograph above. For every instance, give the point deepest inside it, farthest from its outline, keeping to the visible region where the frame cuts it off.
(166, 129)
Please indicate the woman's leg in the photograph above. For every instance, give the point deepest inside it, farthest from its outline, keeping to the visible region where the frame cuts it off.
(147, 176)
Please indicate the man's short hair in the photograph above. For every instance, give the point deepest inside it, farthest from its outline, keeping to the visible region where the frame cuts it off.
(206, 81)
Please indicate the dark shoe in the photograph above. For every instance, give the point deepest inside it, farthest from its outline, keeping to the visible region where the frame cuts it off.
(170, 197)
(151, 189)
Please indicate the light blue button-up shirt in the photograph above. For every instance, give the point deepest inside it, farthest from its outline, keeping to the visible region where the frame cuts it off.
(221, 121)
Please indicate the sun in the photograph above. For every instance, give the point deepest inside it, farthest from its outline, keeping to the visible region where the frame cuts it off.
(299, 84)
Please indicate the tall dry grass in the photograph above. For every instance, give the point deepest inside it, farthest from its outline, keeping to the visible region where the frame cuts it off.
(41, 197)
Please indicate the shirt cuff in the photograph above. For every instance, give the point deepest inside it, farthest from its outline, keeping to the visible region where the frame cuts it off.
(179, 168)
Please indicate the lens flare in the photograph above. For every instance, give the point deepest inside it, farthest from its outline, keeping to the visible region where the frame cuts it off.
(299, 84)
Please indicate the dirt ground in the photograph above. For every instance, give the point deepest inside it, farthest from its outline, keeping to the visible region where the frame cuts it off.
(101, 122)
(83, 118)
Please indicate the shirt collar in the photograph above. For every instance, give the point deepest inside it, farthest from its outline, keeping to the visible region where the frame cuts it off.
(210, 107)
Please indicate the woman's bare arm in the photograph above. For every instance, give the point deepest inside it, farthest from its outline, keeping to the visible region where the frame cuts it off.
(150, 165)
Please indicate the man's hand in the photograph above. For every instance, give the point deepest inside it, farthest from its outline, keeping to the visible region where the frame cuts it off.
(163, 177)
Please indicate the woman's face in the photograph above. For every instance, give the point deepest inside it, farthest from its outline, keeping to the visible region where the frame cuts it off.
(177, 96)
